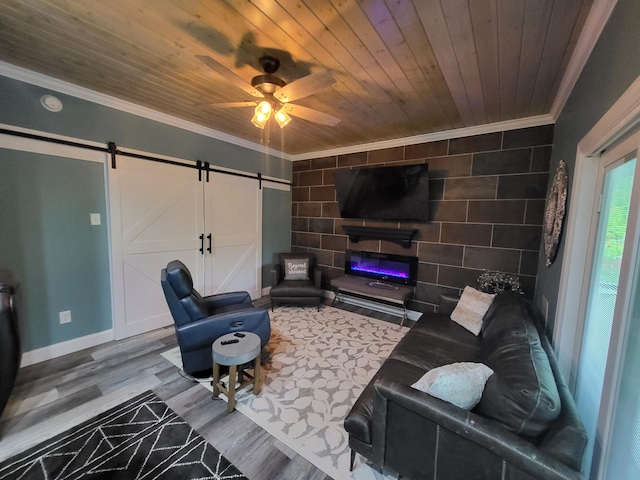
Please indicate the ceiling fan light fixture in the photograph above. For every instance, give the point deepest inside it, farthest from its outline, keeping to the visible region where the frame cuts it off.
(261, 114)
(264, 107)
(282, 118)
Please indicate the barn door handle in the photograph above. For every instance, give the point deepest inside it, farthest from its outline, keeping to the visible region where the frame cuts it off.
(202, 243)
(209, 238)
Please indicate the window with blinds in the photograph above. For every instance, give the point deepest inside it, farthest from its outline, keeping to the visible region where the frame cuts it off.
(624, 444)
(601, 300)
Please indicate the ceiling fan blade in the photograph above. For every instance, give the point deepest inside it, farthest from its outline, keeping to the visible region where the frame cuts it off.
(310, 114)
(305, 86)
(228, 76)
(231, 104)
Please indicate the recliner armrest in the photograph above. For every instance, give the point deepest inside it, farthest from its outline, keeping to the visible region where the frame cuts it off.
(514, 449)
(197, 334)
(223, 299)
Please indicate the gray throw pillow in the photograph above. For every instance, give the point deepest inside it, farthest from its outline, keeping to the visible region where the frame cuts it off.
(296, 269)
(458, 383)
(471, 309)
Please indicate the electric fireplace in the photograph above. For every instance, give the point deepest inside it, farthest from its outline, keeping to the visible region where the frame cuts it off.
(382, 267)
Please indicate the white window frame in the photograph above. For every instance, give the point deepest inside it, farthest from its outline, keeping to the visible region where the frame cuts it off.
(622, 119)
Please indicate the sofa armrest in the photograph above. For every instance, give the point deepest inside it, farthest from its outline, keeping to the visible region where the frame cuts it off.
(223, 299)
(467, 425)
(317, 277)
(448, 303)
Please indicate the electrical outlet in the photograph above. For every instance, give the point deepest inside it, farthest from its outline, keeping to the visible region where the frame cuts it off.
(65, 317)
(95, 218)
(544, 307)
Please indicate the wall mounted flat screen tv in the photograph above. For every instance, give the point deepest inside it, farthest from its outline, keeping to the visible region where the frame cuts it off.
(397, 193)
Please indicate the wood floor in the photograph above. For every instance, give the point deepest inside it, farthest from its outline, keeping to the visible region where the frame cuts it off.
(52, 396)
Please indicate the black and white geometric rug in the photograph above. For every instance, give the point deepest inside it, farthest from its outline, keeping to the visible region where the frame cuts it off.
(139, 439)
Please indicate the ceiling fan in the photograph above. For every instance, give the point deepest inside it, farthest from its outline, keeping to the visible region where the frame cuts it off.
(274, 94)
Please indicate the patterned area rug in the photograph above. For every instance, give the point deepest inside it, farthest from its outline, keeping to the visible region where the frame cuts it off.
(140, 439)
(317, 364)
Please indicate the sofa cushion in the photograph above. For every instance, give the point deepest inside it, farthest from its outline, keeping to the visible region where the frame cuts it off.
(427, 352)
(522, 393)
(440, 327)
(296, 288)
(459, 383)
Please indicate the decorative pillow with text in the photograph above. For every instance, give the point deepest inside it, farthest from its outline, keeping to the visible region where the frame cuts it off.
(296, 269)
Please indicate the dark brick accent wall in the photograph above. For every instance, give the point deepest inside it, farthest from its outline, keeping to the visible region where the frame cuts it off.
(487, 196)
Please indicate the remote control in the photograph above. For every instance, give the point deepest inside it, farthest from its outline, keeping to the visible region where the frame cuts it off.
(238, 334)
(229, 342)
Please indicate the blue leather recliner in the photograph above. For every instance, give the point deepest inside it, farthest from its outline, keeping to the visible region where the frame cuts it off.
(201, 320)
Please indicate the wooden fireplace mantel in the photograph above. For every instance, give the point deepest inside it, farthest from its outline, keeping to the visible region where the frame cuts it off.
(400, 236)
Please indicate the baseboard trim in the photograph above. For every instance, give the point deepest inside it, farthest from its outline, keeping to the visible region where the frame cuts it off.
(63, 348)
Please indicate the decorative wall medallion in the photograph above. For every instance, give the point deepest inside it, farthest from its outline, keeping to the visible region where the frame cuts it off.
(554, 213)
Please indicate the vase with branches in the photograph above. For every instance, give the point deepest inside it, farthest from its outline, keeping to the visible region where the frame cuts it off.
(492, 281)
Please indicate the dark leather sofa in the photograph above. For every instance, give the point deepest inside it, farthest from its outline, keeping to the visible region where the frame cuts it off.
(526, 425)
(10, 352)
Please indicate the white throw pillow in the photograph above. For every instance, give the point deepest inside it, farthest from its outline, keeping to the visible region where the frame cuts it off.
(461, 383)
(471, 307)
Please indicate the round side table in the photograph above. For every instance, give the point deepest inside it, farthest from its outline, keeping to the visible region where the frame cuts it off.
(234, 354)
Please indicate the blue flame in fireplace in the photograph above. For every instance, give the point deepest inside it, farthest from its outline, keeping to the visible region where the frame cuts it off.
(382, 270)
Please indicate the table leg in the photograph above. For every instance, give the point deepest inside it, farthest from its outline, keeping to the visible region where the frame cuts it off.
(232, 388)
(257, 375)
(216, 380)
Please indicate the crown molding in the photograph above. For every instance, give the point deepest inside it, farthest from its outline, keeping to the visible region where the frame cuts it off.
(621, 118)
(433, 137)
(44, 81)
(596, 20)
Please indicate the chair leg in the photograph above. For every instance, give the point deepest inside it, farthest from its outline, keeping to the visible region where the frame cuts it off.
(353, 459)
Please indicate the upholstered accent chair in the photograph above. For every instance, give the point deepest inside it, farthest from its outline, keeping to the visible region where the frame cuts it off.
(201, 320)
(295, 279)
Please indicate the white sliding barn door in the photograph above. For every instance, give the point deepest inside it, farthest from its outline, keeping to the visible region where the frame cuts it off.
(157, 216)
(233, 218)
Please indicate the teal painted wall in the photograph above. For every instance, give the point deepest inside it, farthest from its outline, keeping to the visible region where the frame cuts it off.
(20, 106)
(612, 67)
(276, 235)
(58, 259)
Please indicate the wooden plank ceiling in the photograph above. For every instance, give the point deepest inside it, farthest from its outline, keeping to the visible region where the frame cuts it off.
(402, 67)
